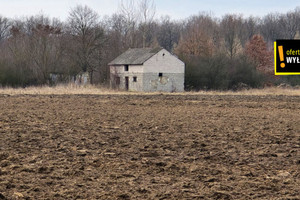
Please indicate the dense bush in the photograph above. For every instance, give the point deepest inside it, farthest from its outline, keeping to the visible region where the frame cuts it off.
(244, 71)
(16, 75)
(220, 73)
(291, 80)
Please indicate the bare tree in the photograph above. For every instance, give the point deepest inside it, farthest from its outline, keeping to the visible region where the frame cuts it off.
(39, 51)
(87, 38)
(47, 49)
(271, 29)
(19, 60)
(147, 11)
(168, 33)
(291, 23)
(128, 15)
(231, 30)
(4, 28)
(117, 34)
(197, 39)
(128, 9)
(249, 29)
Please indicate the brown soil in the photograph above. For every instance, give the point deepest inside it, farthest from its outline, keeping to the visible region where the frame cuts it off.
(149, 147)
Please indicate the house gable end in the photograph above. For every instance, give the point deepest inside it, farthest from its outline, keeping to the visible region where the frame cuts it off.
(164, 62)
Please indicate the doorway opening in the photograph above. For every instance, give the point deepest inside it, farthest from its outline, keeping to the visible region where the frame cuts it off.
(126, 83)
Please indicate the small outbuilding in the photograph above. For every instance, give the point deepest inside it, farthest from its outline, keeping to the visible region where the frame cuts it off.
(148, 70)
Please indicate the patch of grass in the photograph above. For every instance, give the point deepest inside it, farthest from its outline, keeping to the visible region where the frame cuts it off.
(57, 90)
(256, 92)
(98, 90)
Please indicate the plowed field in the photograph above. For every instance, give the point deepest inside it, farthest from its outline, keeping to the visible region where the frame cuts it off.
(149, 147)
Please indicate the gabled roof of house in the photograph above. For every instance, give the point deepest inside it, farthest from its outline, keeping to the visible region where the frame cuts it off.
(137, 56)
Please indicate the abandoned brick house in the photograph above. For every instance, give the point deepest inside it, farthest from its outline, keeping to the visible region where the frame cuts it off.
(148, 70)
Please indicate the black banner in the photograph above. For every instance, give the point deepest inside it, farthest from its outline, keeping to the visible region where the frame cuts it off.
(287, 57)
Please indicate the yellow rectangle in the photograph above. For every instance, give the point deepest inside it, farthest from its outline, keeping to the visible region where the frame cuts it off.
(275, 57)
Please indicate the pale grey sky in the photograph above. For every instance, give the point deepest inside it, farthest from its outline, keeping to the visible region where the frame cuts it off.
(177, 9)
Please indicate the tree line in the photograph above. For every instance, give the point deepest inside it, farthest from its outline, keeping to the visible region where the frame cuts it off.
(220, 53)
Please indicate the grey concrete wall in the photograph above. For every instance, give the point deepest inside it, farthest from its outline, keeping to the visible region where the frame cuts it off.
(133, 86)
(134, 71)
(172, 69)
(169, 82)
(164, 62)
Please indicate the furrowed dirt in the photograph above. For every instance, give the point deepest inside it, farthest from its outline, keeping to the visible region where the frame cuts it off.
(149, 147)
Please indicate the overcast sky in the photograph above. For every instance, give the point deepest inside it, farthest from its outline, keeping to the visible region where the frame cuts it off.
(177, 9)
